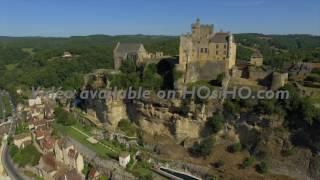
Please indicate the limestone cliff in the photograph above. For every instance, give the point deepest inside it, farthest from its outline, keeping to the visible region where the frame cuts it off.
(154, 115)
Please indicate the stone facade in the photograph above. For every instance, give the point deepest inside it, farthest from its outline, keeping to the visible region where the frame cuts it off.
(116, 111)
(279, 80)
(67, 154)
(21, 140)
(256, 59)
(131, 51)
(204, 54)
(124, 159)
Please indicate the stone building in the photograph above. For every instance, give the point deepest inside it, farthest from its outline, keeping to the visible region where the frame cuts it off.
(205, 53)
(47, 167)
(132, 51)
(278, 80)
(67, 154)
(22, 140)
(67, 54)
(256, 59)
(124, 159)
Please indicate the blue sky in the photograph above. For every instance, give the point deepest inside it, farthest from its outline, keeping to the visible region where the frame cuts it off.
(167, 17)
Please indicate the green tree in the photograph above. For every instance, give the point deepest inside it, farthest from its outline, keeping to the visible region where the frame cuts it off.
(216, 122)
(237, 147)
(151, 79)
(248, 162)
(262, 167)
(63, 117)
(203, 148)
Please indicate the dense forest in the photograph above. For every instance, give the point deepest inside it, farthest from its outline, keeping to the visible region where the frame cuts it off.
(279, 49)
(37, 61)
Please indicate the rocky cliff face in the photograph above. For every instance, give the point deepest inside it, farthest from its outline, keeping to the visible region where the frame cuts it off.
(154, 115)
(115, 111)
(164, 117)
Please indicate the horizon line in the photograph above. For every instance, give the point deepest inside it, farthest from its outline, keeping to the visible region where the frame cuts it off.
(167, 35)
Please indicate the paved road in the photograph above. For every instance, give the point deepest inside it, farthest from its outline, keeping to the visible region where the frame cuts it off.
(7, 163)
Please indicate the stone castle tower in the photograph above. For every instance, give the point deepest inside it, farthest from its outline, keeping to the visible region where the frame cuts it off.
(204, 53)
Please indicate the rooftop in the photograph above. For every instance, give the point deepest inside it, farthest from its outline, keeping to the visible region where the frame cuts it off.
(124, 154)
(220, 37)
(128, 47)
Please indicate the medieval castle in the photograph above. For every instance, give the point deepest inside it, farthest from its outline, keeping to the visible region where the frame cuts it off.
(204, 53)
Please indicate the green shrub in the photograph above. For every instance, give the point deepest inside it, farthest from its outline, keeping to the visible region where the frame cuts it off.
(248, 162)
(231, 107)
(203, 148)
(63, 117)
(216, 123)
(128, 128)
(288, 152)
(219, 164)
(262, 167)
(237, 147)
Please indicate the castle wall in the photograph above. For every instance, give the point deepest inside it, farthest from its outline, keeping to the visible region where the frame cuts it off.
(204, 54)
(256, 61)
(232, 55)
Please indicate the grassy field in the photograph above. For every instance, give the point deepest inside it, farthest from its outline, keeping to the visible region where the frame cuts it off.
(101, 150)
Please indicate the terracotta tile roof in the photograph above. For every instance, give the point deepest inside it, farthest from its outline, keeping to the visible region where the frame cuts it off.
(49, 162)
(39, 133)
(72, 175)
(47, 143)
(92, 173)
(73, 153)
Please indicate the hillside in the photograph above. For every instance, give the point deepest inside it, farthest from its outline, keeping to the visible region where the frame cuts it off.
(36, 61)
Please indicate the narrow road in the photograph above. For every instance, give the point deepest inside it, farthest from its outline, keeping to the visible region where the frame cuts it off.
(7, 163)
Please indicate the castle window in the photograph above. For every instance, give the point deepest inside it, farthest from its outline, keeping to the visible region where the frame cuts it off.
(217, 46)
(217, 52)
(206, 50)
(201, 50)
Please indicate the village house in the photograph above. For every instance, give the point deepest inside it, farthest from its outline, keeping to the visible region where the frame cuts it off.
(67, 154)
(47, 167)
(21, 140)
(70, 175)
(48, 111)
(124, 159)
(35, 101)
(47, 144)
(256, 59)
(93, 174)
(39, 134)
(37, 124)
(67, 54)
